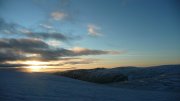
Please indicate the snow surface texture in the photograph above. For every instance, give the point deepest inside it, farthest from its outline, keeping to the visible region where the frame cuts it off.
(19, 86)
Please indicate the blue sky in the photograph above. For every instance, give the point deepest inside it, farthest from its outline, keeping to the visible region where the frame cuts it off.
(142, 32)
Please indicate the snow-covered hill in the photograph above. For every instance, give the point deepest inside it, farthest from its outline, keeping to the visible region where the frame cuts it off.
(162, 78)
(19, 86)
(99, 75)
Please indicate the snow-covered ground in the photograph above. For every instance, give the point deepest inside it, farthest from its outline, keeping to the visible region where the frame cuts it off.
(19, 86)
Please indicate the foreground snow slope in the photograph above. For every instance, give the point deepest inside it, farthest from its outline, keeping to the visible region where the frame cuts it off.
(18, 86)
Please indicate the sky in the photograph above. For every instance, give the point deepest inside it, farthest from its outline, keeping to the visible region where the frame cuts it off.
(89, 33)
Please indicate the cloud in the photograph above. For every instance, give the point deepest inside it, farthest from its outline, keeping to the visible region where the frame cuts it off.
(44, 35)
(85, 51)
(94, 30)
(16, 29)
(48, 35)
(57, 15)
(83, 61)
(22, 44)
(61, 52)
(29, 49)
(9, 55)
(12, 28)
(25, 31)
(46, 26)
(7, 28)
(17, 49)
(54, 43)
(12, 65)
(73, 61)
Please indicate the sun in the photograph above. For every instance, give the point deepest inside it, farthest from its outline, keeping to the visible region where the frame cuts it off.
(35, 66)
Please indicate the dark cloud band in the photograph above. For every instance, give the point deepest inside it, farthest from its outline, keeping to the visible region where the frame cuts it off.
(18, 49)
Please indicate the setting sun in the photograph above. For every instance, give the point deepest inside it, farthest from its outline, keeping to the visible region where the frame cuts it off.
(35, 66)
(37, 63)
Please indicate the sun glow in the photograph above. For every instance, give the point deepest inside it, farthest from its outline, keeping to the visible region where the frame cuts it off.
(35, 66)
(36, 63)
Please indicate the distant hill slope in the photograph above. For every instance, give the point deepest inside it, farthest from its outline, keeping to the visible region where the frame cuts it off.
(99, 75)
(165, 77)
